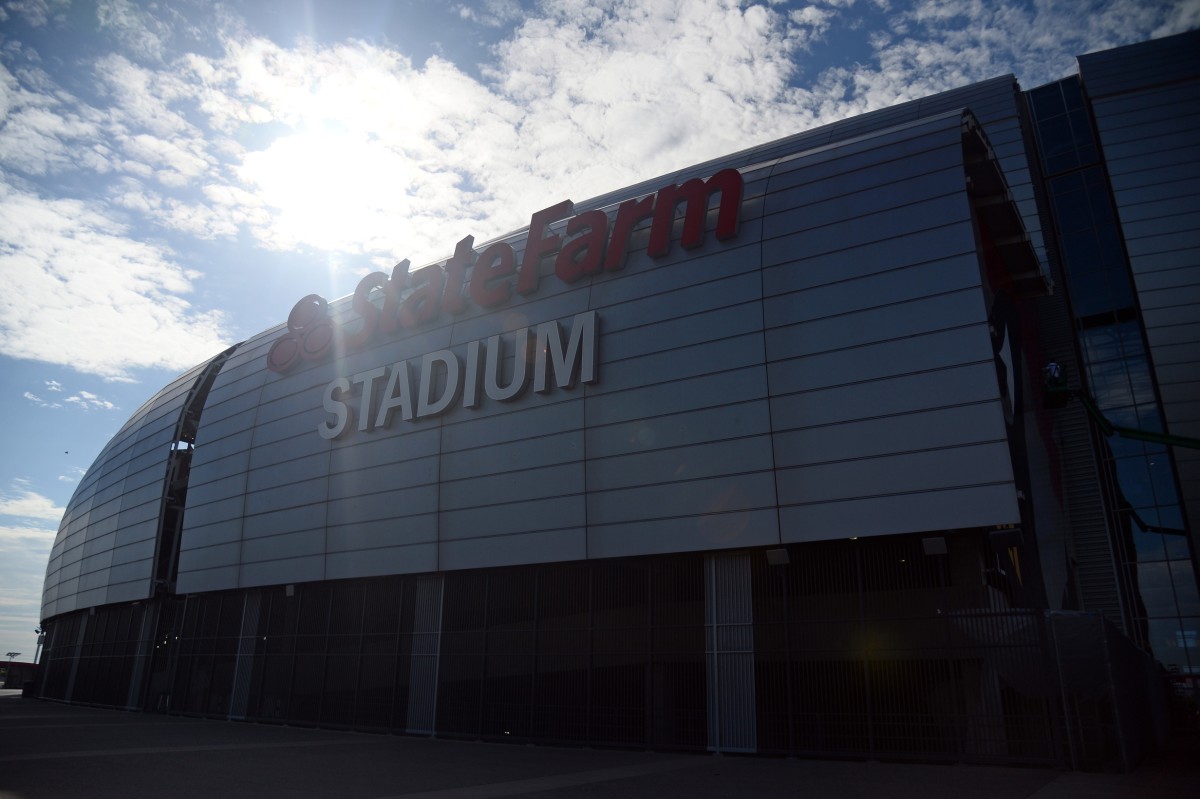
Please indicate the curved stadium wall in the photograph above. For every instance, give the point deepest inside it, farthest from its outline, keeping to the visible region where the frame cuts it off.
(762, 489)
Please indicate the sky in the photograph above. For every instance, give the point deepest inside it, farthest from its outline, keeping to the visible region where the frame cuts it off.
(174, 176)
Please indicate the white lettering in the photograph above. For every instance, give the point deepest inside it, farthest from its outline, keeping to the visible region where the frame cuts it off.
(398, 394)
(495, 365)
(339, 410)
(471, 378)
(443, 380)
(367, 380)
(578, 360)
(428, 405)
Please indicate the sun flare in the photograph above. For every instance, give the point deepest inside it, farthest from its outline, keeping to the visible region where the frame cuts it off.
(329, 187)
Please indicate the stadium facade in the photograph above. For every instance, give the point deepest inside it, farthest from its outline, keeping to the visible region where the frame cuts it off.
(875, 441)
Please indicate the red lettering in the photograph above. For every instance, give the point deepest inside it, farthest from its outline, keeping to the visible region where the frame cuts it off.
(456, 270)
(496, 262)
(587, 250)
(537, 245)
(318, 339)
(307, 314)
(423, 304)
(695, 194)
(366, 310)
(583, 255)
(629, 214)
(389, 322)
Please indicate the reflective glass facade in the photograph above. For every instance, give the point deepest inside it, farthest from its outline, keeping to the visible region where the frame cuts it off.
(1151, 541)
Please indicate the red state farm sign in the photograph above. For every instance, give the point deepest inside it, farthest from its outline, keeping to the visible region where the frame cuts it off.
(487, 279)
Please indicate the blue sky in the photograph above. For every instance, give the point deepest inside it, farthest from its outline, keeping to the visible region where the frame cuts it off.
(174, 176)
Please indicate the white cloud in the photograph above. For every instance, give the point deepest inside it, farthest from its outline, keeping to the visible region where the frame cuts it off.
(42, 130)
(581, 98)
(88, 401)
(38, 401)
(138, 32)
(1181, 16)
(343, 171)
(25, 504)
(492, 13)
(73, 475)
(447, 155)
(956, 41)
(817, 20)
(84, 400)
(36, 12)
(24, 551)
(18, 537)
(82, 293)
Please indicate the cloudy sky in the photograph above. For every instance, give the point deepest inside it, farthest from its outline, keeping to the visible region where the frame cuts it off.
(174, 176)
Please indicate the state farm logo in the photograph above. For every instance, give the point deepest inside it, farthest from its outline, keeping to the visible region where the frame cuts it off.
(592, 245)
(310, 335)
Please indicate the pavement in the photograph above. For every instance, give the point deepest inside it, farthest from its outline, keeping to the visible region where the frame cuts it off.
(55, 750)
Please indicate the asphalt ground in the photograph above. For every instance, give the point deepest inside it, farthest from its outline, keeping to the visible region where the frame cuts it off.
(55, 750)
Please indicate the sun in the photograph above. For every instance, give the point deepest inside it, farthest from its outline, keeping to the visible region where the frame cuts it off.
(329, 188)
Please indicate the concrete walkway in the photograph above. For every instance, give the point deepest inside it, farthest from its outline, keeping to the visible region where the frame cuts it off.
(53, 750)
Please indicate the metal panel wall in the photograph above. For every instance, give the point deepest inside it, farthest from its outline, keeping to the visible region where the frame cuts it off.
(870, 341)
(684, 395)
(104, 551)
(825, 373)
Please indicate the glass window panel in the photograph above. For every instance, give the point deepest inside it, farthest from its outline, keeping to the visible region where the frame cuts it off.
(1066, 183)
(1088, 154)
(1047, 101)
(1081, 253)
(1123, 417)
(1162, 477)
(1055, 135)
(1072, 97)
(1147, 545)
(1112, 341)
(1101, 343)
(1118, 291)
(1154, 587)
(1112, 250)
(1169, 644)
(1141, 384)
(1072, 212)
(1176, 543)
(1133, 476)
(1184, 579)
(1092, 294)
(1081, 128)
(1110, 385)
(1120, 447)
(1130, 334)
(1087, 296)
(1097, 188)
(1170, 517)
(1189, 641)
(1060, 163)
(1149, 418)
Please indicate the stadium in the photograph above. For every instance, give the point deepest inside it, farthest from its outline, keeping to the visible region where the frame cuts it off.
(877, 441)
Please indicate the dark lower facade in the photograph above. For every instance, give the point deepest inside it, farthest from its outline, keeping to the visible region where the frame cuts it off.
(879, 648)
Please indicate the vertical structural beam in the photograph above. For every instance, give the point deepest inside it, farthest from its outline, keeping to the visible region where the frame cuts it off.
(426, 650)
(78, 655)
(145, 650)
(247, 646)
(729, 635)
